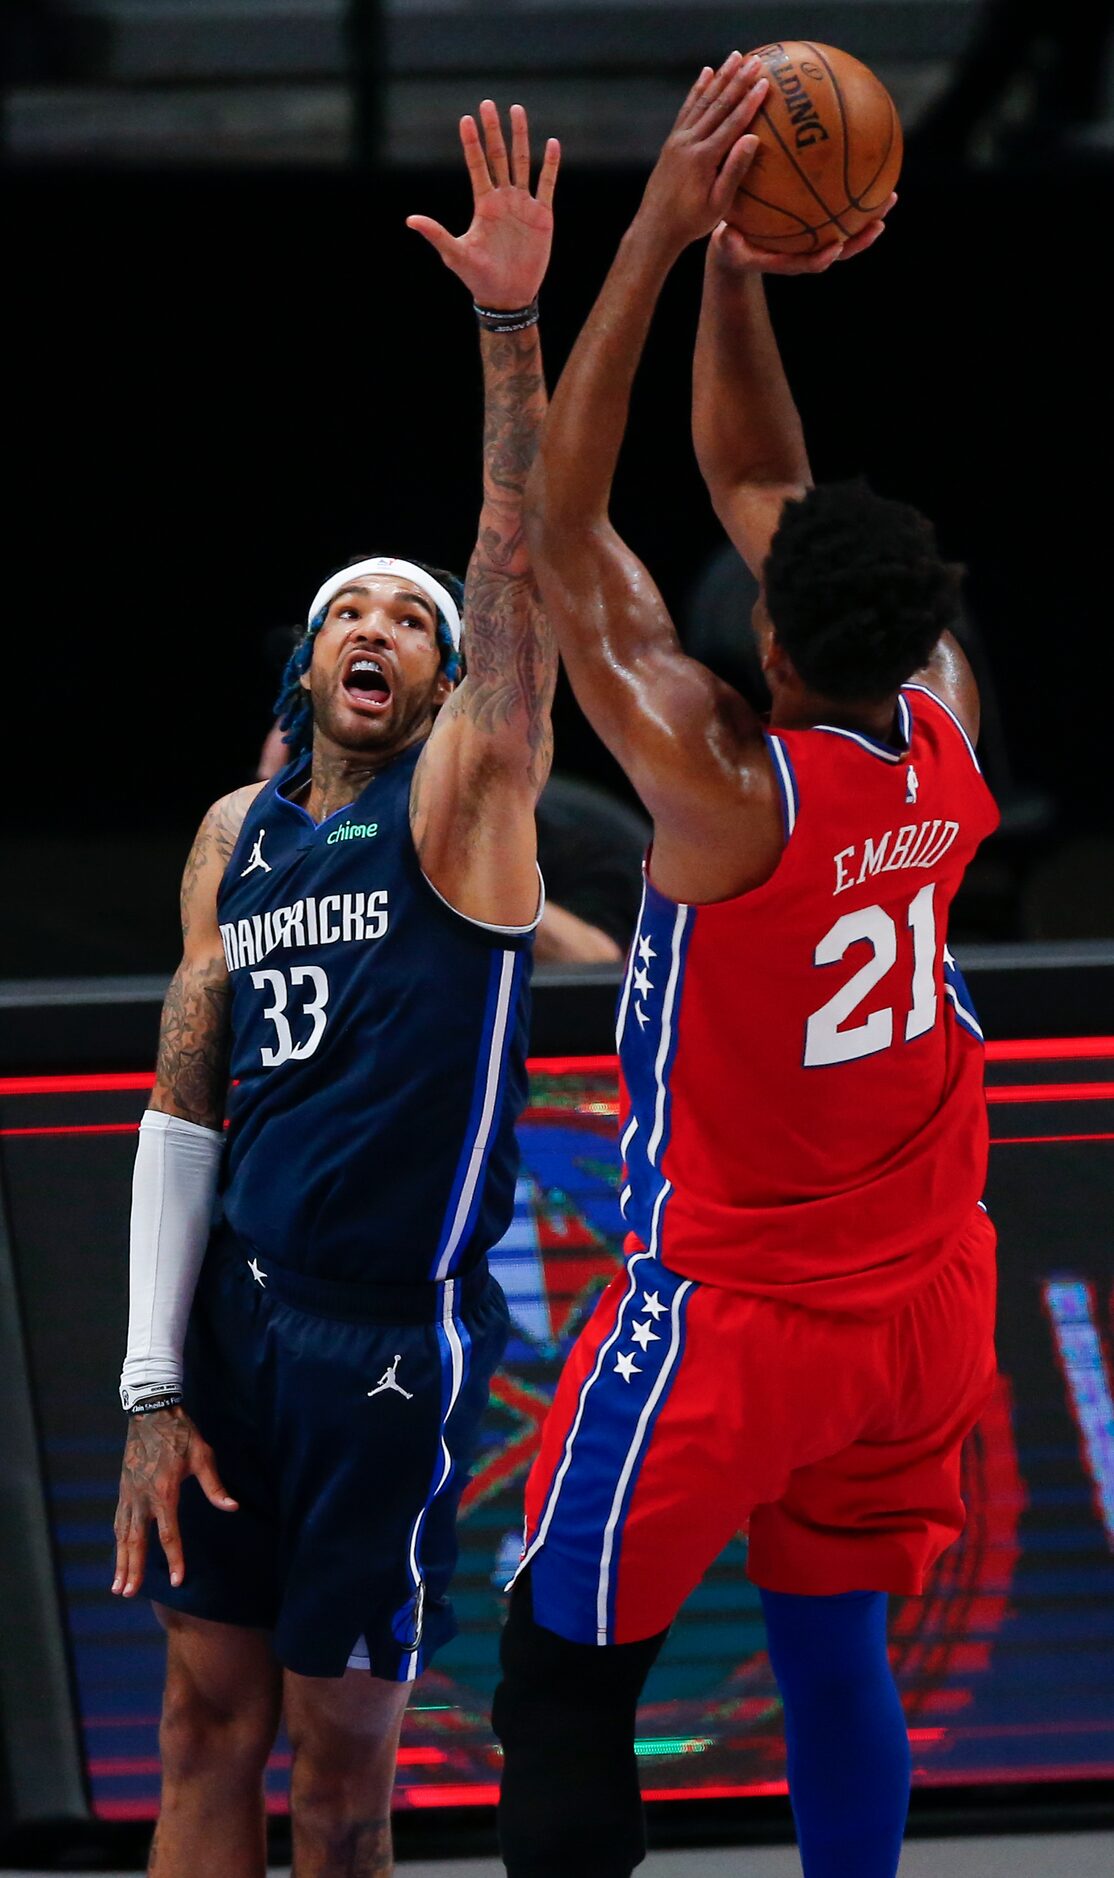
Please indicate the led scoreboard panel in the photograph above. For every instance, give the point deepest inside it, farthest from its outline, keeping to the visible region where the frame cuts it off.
(1006, 1666)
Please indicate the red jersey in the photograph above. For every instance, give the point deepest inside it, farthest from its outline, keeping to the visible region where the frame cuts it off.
(801, 1070)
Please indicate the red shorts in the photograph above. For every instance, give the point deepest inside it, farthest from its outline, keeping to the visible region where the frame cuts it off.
(686, 1413)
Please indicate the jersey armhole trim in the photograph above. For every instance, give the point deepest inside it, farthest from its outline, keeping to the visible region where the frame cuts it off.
(508, 932)
(947, 709)
(787, 783)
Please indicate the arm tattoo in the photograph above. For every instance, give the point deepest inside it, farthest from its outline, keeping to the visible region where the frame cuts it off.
(192, 1065)
(156, 1445)
(511, 652)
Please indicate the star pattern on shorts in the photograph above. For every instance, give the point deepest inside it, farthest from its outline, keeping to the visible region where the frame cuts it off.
(626, 1367)
(645, 949)
(260, 1277)
(644, 1336)
(643, 1020)
(653, 1305)
(642, 982)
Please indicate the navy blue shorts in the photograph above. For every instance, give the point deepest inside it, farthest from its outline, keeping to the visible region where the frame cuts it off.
(344, 1420)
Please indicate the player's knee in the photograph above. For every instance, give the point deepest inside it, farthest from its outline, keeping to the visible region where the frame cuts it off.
(225, 1744)
(564, 1714)
(340, 1773)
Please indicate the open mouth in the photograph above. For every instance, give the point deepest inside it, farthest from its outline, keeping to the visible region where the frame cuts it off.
(366, 683)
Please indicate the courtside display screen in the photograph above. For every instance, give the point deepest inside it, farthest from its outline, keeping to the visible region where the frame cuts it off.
(1005, 1666)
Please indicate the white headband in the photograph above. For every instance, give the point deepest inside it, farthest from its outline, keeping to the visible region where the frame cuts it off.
(386, 564)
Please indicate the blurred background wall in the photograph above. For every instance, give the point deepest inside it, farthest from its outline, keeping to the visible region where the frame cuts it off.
(230, 366)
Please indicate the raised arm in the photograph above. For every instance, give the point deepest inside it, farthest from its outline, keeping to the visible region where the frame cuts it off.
(173, 1187)
(745, 426)
(489, 755)
(682, 736)
(747, 431)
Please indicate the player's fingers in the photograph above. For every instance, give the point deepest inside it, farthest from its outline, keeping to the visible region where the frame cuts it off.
(740, 117)
(135, 1563)
(474, 157)
(865, 238)
(122, 1528)
(720, 79)
(520, 148)
(493, 142)
(166, 1518)
(724, 94)
(735, 166)
(210, 1482)
(438, 237)
(687, 110)
(547, 178)
(816, 263)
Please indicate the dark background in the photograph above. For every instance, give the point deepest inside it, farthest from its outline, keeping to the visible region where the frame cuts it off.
(222, 385)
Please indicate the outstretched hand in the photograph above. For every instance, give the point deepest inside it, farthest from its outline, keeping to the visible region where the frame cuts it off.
(502, 256)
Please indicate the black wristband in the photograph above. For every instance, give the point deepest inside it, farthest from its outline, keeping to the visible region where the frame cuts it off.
(155, 1402)
(507, 319)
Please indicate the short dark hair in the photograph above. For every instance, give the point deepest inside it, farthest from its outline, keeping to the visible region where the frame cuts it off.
(292, 706)
(856, 590)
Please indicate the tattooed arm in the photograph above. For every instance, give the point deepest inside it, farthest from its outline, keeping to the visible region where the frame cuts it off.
(173, 1186)
(192, 1065)
(476, 786)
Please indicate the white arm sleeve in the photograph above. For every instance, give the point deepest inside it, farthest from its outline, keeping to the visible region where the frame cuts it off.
(173, 1188)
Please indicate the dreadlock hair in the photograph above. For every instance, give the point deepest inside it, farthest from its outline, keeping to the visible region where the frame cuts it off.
(856, 590)
(293, 708)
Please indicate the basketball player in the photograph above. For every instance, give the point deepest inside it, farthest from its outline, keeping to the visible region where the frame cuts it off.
(802, 1335)
(352, 997)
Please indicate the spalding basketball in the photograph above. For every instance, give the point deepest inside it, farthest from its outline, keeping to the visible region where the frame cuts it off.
(830, 149)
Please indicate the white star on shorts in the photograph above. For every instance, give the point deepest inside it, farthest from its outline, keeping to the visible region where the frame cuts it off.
(626, 1367)
(652, 1303)
(260, 1277)
(644, 1336)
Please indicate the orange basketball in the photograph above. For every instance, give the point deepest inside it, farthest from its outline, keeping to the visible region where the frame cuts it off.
(830, 149)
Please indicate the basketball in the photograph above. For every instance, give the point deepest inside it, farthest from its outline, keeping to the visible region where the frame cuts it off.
(830, 149)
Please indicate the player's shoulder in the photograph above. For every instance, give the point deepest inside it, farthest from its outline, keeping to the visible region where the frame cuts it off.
(222, 822)
(927, 706)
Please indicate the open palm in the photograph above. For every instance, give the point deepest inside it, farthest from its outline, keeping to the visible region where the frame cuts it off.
(502, 256)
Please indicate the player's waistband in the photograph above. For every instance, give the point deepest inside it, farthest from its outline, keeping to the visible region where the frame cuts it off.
(421, 1301)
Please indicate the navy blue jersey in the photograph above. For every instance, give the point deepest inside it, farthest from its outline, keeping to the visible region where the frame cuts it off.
(378, 1045)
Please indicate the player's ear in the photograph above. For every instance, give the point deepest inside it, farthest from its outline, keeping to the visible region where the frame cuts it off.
(443, 689)
(774, 659)
(304, 680)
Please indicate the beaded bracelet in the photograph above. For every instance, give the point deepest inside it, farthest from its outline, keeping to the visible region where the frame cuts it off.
(155, 1402)
(507, 319)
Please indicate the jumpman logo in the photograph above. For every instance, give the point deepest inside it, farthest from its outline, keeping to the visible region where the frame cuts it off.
(257, 856)
(912, 784)
(387, 1381)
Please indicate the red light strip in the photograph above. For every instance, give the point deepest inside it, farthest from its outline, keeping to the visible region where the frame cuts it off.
(586, 1065)
(1019, 1141)
(78, 1128)
(1002, 1050)
(1052, 1092)
(1046, 1049)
